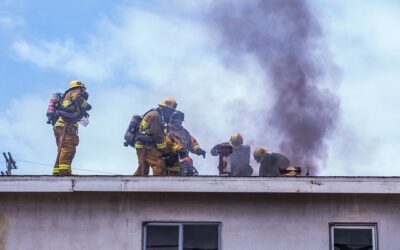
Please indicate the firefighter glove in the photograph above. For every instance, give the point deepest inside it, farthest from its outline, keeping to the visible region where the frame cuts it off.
(201, 152)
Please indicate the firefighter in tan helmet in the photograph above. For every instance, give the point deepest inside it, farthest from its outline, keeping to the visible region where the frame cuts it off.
(73, 107)
(273, 164)
(239, 155)
(151, 138)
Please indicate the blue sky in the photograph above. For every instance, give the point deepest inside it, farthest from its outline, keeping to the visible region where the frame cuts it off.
(131, 55)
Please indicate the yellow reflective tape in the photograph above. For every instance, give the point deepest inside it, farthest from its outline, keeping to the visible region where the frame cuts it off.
(138, 145)
(59, 123)
(162, 145)
(174, 169)
(176, 148)
(66, 103)
(64, 167)
(84, 104)
(143, 124)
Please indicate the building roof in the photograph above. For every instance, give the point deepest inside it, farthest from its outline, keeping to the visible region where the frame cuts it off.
(201, 184)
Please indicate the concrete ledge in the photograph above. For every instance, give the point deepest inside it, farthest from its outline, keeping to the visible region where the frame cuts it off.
(201, 184)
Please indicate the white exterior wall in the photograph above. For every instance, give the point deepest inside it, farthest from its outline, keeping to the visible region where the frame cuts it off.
(250, 221)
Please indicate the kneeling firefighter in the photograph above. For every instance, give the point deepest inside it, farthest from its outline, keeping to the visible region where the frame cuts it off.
(182, 143)
(72, 108)
(274, 164)
(234, 157)
(150, 138)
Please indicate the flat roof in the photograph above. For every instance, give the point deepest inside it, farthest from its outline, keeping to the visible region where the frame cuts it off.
(201, 184)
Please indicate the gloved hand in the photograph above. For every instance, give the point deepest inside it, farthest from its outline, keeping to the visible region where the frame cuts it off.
(201, 152)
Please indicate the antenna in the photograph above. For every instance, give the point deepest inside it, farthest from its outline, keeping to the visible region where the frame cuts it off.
(10, 162)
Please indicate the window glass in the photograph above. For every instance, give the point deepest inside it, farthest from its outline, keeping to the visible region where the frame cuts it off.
(162, 237)
(200, 237)
(353, 238)
(181, 236)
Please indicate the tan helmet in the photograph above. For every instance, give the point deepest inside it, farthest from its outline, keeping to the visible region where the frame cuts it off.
(75, 83)
(236, 140)
(169, 102)
(259, 153)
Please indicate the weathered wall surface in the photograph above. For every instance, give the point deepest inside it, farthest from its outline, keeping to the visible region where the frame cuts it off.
(3, 231)
(55, 221)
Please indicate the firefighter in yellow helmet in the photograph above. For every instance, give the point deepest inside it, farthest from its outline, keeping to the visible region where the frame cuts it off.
(271, 164)
(182, 142)
(239, 155)
(151, 138)
(73, 107)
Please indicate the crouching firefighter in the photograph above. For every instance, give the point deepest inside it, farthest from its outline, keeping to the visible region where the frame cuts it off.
(72, 108)
(181, 143)
(150, 140)
(234, 157)
(274, 164)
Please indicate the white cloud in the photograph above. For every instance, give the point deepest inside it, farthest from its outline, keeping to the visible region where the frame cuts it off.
(10, 22)
(63, 56)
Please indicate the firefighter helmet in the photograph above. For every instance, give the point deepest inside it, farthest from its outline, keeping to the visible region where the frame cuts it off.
(259, 153)
(169, 102)
(236, 140)
(75, 84)
(178, 116)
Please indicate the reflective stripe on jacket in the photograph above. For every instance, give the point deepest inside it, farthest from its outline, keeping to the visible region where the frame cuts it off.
(72, 102)
(183, 138)
(152, 125)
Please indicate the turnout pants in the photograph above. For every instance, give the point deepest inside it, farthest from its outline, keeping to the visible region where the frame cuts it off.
(174, 169)
(67, 149)
(149, 156)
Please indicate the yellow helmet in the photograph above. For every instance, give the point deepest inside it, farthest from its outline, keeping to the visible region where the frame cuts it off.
(75, 83)
(169, 102)
(236, 140)
(259, 153)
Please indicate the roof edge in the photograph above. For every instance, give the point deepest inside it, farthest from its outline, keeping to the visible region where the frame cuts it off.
(201, 184)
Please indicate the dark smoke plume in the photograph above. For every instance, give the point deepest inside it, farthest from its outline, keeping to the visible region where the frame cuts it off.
(285, 38)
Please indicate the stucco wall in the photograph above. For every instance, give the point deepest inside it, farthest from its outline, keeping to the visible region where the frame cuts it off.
(249, 221)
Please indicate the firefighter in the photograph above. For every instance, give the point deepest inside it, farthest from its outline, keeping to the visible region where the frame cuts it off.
(240, 156)
(151, 138)
(72, 109)
(181, 142)
(271, 164)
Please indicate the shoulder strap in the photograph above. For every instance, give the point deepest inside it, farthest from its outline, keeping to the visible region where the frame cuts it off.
(62, 99)
(153, 109)
(158, 111)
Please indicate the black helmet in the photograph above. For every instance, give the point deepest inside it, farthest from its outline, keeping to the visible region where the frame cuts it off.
(178, 116)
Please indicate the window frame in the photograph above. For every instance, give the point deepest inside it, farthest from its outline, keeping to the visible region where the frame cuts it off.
(180, 224)
(355, 225)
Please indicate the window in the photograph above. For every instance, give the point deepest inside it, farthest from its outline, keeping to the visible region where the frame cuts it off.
(181, 236)
(353, 236)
